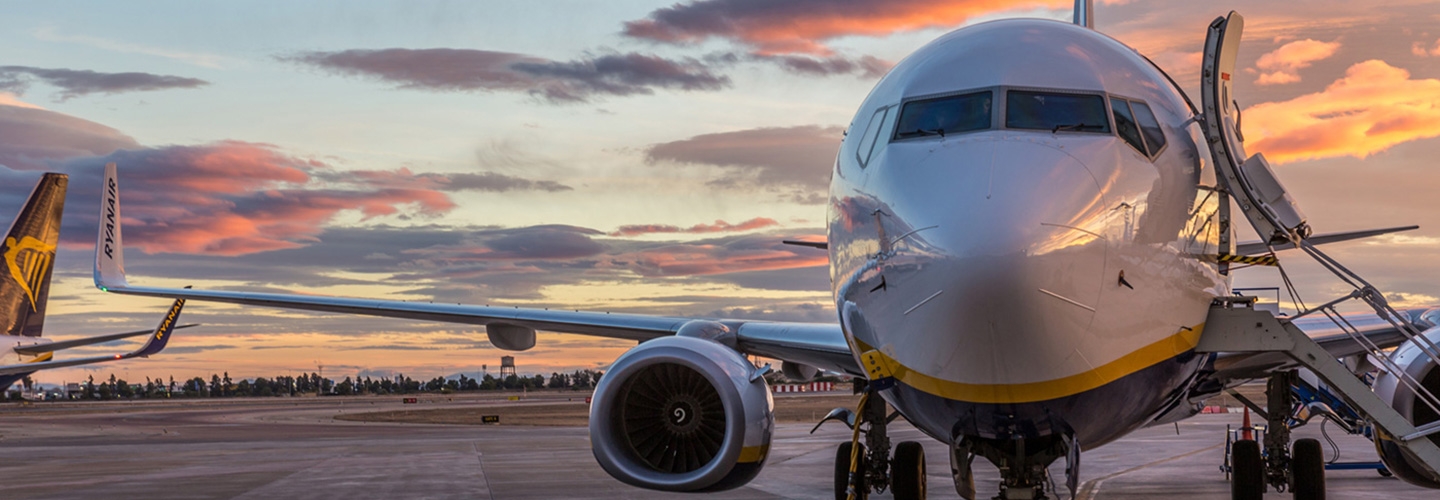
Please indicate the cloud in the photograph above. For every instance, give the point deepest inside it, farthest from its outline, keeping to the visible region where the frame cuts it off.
(517, 262)
(75, 83)
(803, 26)
(546, 242)
(1418, 48)
(719, 226)
(1405, 300)
(796, 158)
(1282, 65)
(229, 198)
(468, 70)
(223, 198)
(31, 138)
(1375, 106)
(484, 181)
(10, 99)
(751, 253)
(864, 66)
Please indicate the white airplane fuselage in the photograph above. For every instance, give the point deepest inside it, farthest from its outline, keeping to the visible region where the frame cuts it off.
(983, 263)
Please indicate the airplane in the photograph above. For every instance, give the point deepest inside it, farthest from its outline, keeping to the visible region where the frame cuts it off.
(29, 254)
(1029, 229)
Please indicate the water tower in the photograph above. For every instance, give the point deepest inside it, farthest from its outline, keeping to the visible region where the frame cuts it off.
(507, 366)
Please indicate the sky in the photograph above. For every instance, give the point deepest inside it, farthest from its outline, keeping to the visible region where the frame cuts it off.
(635, 156)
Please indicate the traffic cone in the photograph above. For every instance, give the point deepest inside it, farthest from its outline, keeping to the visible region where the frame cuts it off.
(1245, 427)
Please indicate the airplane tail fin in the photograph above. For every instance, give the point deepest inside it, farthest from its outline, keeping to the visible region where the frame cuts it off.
(1085, 13)
(29, 253)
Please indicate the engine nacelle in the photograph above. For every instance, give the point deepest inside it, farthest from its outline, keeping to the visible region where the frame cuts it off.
(682, 414)
(1402, 398)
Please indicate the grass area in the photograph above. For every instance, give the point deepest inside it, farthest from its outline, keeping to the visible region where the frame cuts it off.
(789, 408)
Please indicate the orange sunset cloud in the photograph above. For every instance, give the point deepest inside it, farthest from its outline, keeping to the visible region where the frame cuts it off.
(1283, 64)
(719, 226)
(1375, 106)
(802, 26)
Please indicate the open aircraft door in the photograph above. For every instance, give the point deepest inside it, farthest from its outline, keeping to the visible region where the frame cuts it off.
(1259, 193)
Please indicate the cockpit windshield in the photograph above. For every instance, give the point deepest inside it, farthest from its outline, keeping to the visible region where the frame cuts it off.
(945, 115)
(1056, 112)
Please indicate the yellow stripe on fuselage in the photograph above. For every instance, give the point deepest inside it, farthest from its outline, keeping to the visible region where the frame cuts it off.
(1031, 392)
(43, 357)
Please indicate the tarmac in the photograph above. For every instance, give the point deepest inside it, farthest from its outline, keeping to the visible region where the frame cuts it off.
(292, 448)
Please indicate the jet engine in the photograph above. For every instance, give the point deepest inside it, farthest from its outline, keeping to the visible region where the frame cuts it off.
(682, 414)
(1402, 398)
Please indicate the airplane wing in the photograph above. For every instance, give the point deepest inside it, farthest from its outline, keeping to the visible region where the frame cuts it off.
(100, 339)
(1259, 247)
(159, 337)
(821, 346)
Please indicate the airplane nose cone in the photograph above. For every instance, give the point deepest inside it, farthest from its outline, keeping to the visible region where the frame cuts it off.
(1005, 281)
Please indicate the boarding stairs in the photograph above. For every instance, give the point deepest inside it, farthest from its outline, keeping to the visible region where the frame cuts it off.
(1235, 325)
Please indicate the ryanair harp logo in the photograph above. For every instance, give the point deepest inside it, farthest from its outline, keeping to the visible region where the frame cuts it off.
(29, 260)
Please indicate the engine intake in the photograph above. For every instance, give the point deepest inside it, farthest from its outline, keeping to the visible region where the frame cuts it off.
(1403, 399)
(682, 414)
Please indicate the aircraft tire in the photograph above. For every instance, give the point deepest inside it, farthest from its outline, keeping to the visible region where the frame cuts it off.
(1247, 478)
(842, 473)
(907, 471)
(1307, 470)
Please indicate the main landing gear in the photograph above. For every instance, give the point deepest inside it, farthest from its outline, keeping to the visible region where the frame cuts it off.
(1300, 469)
(864, 466)
(1024, 464)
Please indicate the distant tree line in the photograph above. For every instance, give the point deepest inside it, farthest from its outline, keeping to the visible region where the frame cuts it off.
(222, 386)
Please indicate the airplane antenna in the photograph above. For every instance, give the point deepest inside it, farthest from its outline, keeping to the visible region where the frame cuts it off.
(1085, 13)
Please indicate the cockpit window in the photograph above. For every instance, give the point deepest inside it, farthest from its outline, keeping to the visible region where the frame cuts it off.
(1137, 126)
(1125, 124)
(867, 141)
(1149, 127)
(1056, 112)
(945, 115)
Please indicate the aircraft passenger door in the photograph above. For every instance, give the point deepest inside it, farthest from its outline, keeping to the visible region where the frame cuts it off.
(1271, 211)
(1222, 113)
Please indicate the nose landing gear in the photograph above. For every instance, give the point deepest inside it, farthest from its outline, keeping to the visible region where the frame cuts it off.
(865, 467)
(1300, 469)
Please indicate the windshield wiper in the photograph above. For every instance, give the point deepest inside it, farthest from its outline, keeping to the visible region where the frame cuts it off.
(1077, 126)
(920, 131)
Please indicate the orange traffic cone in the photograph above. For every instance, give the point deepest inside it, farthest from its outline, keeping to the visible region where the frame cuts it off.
(1245, 433)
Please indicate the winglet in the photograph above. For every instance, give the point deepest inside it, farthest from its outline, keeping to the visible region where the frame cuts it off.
(109, 252)
(157, 341)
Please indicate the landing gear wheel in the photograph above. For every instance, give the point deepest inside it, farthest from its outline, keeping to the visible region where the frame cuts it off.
(907, 471)
(1247, 477)
(1307, 470)
(842, 473)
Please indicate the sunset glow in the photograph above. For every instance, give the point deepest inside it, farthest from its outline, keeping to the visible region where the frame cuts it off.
(631, 156)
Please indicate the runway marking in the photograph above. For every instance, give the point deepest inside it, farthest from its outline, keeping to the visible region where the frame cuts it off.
(480, 457)
(1092, 487)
